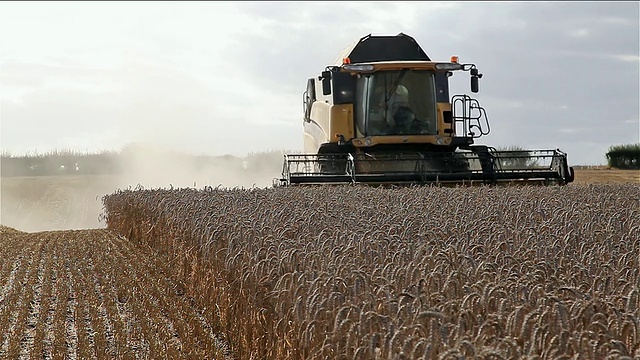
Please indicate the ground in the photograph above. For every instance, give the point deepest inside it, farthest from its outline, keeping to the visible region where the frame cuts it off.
(604, 174)
(88, 294)
(71, 293)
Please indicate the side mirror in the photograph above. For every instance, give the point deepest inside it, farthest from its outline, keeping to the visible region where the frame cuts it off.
(326, 82)
(474, 84)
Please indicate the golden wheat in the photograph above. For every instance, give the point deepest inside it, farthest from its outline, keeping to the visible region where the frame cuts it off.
(433, 273)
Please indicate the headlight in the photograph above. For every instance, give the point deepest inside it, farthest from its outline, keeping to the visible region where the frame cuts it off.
(367, 142)
(356, 67)
(448, 66)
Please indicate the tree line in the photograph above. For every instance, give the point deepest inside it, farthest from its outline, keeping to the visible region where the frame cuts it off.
(625, 156)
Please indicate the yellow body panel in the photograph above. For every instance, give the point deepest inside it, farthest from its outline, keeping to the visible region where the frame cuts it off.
(327, 122)
(341, 122)
(316, 130)
(321, 114)
(442, 107)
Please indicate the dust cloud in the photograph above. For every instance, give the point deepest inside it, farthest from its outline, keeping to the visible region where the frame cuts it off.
(152, 167)
(66, 202)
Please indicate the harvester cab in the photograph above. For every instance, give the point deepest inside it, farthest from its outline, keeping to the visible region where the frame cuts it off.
(382, 114)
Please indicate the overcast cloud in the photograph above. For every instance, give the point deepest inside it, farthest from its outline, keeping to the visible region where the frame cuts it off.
(227, 77)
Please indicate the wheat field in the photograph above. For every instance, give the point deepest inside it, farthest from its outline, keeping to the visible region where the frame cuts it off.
(353, 272)
(316, 273)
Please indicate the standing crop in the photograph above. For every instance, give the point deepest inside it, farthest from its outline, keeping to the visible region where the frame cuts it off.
(355, 272)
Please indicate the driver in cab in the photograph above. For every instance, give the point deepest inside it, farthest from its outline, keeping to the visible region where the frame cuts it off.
(398, 117)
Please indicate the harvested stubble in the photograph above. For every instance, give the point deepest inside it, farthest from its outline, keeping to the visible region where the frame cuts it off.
(433, 273)
(91, 295)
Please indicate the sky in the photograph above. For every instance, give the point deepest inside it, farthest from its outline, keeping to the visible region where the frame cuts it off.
(227, 77)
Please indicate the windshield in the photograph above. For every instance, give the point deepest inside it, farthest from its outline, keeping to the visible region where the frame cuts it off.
(396, 103)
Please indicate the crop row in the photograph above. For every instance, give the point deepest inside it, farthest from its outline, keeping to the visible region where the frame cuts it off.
(90, 295)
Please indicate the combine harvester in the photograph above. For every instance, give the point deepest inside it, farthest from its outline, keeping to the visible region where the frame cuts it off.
(382, 115)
